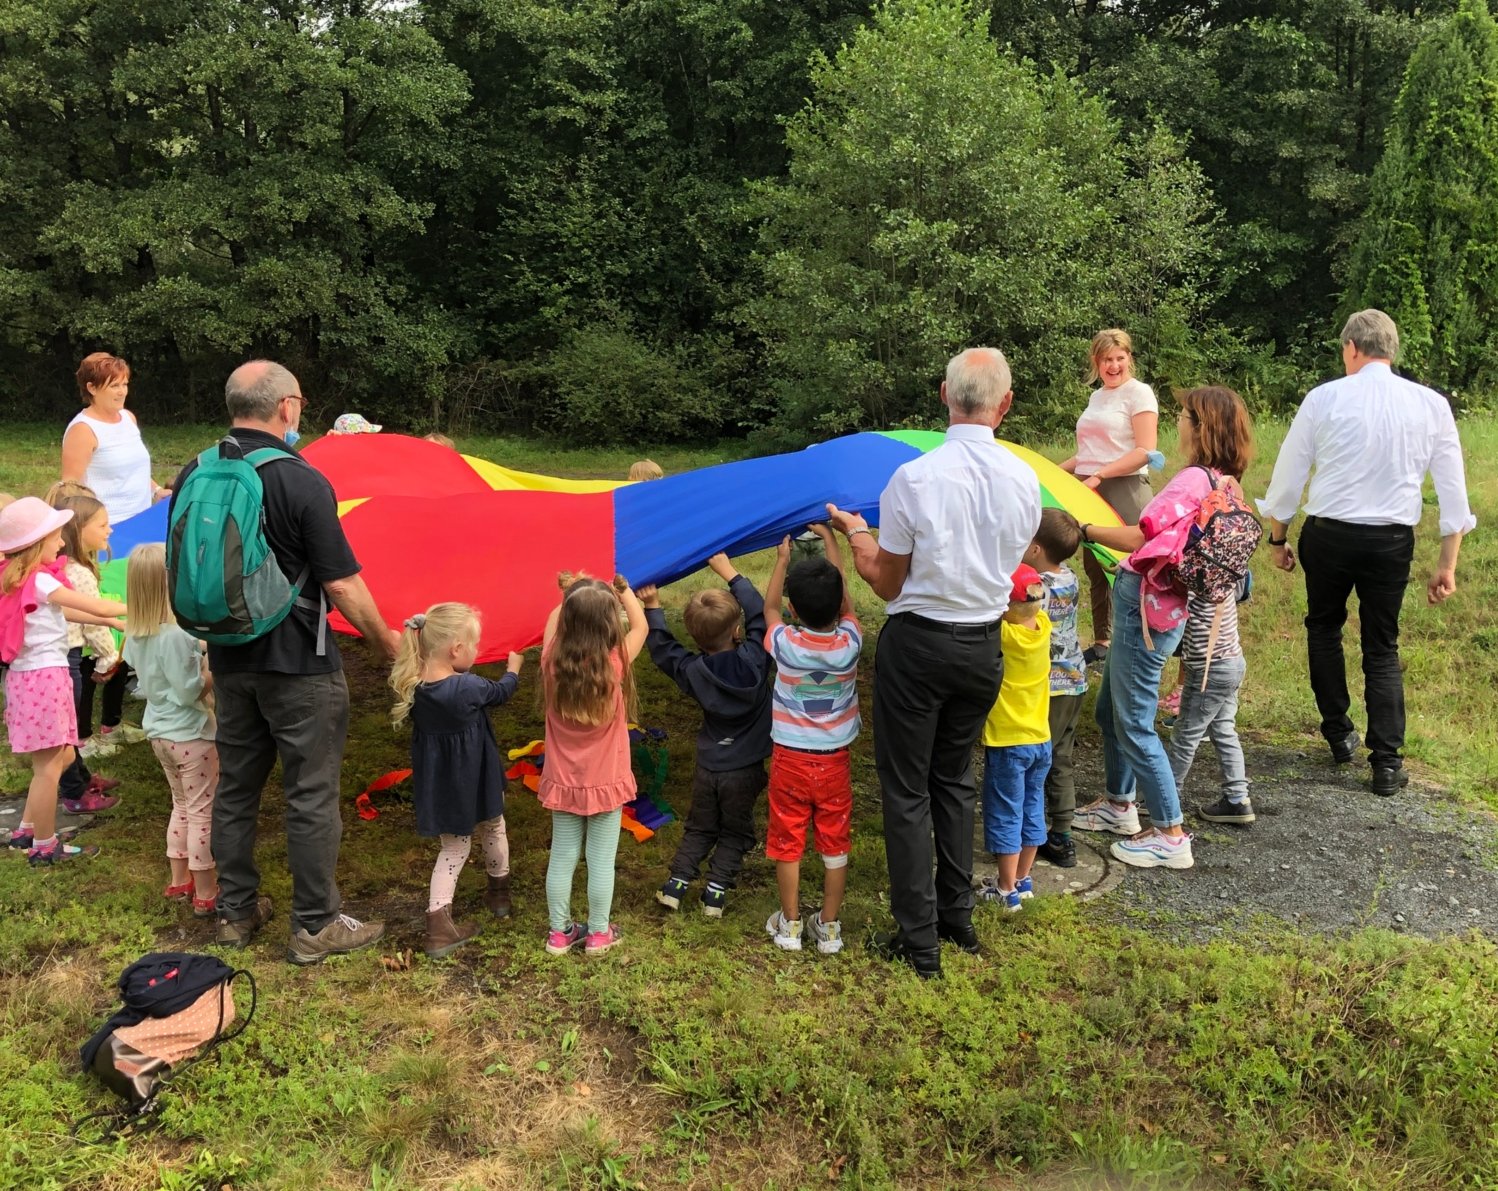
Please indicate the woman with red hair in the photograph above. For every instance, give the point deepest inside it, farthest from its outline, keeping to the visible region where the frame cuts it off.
(102, 447)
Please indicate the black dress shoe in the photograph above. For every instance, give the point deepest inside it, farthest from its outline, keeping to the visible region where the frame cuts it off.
(1346, 749)
(891, 945)
(960, 935)
(1387, 782)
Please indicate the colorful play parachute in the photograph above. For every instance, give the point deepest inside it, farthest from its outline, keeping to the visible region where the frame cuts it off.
(429, 524)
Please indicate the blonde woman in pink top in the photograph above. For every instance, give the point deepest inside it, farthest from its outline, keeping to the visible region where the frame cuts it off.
(1115, 435)
(587, 655)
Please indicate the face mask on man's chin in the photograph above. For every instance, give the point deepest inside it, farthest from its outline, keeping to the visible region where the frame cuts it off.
(291, 436)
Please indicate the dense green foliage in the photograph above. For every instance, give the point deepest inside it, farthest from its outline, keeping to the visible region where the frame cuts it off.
(681, 218)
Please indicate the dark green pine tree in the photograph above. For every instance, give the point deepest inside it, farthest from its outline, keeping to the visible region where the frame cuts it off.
(1427, 250)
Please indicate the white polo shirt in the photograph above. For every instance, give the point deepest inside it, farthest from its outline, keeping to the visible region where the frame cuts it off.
(1371, 438)
(965, 513)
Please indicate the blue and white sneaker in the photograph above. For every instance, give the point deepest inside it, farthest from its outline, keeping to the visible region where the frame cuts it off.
(1102, 815)
(671, 893)
(988, 891)
(714, 898)
(1025, 888)
(1153, 849)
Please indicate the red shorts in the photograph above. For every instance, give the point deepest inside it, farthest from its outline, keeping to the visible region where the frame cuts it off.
(809, 787)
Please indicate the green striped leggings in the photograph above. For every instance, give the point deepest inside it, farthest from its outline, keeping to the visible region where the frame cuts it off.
(567, 834)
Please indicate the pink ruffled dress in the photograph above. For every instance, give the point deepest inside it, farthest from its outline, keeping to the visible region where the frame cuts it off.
(588, 769)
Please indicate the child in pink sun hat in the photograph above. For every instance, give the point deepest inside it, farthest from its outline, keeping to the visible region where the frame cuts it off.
(40, 717)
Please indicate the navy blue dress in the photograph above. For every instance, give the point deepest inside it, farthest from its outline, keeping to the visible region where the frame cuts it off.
(458, 776)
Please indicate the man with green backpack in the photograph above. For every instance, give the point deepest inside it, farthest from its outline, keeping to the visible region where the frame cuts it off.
(255, 555)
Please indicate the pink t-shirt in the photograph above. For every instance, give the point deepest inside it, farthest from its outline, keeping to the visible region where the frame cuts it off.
(587, 769)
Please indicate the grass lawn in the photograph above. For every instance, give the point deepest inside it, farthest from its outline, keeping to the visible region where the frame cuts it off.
(1082, 1051)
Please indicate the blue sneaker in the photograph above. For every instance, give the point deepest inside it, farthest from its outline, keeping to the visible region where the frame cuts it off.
(1025, 888)
(671, 893)
(989, 891)
(714, 898)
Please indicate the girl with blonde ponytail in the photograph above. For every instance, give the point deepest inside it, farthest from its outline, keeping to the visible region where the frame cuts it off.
(456, 772)
(587, 655)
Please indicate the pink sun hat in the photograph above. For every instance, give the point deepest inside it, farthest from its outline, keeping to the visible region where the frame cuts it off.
(27, 521)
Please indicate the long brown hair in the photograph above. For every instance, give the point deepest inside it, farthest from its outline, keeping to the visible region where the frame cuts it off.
(1222, 435)
(86, 506)
(579, 678)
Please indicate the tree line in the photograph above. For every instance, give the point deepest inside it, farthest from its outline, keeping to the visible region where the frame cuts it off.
(661, 219)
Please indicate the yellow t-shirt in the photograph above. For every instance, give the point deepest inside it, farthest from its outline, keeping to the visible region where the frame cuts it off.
(1022, 713)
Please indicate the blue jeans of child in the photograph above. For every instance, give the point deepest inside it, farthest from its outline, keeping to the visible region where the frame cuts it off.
(1126, 705)
(1014, 797)
(1212, 712)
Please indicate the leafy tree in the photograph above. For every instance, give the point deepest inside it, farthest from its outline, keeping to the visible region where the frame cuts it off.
(1428, 248)
(941, 194)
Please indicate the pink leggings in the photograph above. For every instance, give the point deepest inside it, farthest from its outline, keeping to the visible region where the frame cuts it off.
(191, 768)
(454, 854)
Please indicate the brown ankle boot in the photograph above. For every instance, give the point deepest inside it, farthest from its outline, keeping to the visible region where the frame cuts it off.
(497, 896)
(444, 936)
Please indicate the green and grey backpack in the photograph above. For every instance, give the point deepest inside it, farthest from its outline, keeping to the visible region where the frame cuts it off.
(225, 583)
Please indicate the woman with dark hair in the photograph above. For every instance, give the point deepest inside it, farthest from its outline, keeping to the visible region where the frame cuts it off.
(1216, 439)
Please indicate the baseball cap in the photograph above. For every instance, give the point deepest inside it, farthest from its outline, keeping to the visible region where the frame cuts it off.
(354, 424)
(1024, 578)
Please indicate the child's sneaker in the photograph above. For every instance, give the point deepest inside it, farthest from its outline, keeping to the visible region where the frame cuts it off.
(671, 893)
(559, 942)
(1170, 705)
(601, 940)
(828, 935)
(58, 852)
(1154, 849)
(122, 733)
(1227, 811)
(97, 746)
(27, 839)
(785, 931)
(99, 784)
(1060, 850)
(1025, 888)
(714, 898)
(989, 891)
(91, 802)
(1102, 815)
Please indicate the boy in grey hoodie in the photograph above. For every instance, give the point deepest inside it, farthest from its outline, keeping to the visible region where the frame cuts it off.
(730, 680)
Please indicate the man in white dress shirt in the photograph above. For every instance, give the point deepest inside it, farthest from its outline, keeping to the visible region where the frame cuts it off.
(953, 525)
(1371, 437)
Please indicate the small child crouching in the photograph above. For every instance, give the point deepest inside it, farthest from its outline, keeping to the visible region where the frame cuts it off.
(1017, 745)
(171, 672)
(1213, 671)
(813, 722)
(729, 680)
(1056, 541)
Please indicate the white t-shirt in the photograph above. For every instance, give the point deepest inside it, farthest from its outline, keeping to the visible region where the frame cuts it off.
(1105, 431)
(965, 513)
(45, 643)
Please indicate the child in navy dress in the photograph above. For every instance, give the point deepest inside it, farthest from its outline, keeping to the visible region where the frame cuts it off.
(457, 774)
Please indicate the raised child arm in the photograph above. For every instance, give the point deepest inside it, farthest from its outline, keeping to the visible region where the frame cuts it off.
(835, 556)
(634, 639)
(775, 589)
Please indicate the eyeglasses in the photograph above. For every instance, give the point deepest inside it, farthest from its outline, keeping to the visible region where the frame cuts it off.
(295, 397)
(1187, 414)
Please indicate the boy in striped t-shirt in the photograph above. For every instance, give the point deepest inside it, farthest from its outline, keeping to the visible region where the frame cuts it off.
(814, 720)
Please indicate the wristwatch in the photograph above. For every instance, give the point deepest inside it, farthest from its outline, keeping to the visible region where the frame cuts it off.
(1273, 541)
(1085, 527)
(859, 529)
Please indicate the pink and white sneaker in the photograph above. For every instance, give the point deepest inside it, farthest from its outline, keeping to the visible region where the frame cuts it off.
(91, 802)
(559, 942)
(1154, 849)
(601, 940)
(1102, 815)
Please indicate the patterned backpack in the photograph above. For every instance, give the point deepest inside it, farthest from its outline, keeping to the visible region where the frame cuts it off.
(1216, 553)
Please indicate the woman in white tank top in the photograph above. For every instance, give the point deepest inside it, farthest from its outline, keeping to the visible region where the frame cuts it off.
(102, 447)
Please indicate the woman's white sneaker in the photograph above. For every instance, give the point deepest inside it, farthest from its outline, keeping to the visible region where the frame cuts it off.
(1154, 850)
(1103, 815)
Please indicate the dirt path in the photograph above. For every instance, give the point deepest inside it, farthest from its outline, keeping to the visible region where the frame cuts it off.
(1325, 854)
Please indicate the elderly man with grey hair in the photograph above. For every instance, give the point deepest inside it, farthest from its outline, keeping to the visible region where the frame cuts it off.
(1370, 437)
(283, 694)
(953, 526)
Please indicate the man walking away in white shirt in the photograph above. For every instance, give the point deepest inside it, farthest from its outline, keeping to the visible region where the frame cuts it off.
(1371, 437)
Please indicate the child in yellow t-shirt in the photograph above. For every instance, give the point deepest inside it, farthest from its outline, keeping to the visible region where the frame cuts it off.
(1017, 744)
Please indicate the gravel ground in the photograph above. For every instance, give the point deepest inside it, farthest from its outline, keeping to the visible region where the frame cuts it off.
(1325, 854)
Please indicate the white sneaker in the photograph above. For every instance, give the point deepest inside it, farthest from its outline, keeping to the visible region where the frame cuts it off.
(97, 746)
(1102, 815)
(1154, 849)
(829, 935)
(122, 733)
(785, 931)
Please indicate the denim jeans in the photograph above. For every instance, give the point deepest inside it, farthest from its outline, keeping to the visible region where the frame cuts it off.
(1014, 797)
(1126, 705)
(1212, 712)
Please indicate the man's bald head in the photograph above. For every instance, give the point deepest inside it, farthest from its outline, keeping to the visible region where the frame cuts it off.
(978, 383)
(254, 390)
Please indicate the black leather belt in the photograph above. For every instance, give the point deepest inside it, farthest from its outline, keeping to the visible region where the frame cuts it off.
(960, 631)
